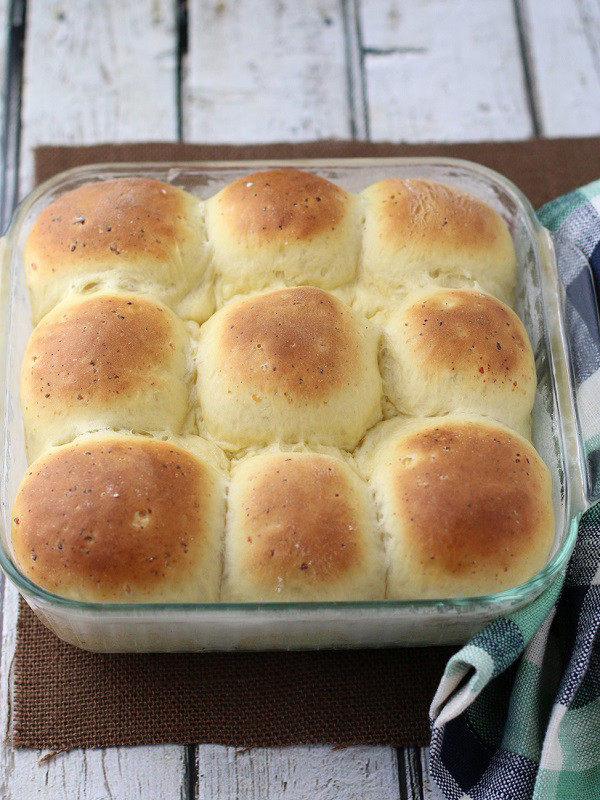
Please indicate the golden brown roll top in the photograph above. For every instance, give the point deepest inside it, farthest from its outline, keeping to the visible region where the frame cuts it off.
(128, 233)
(283, 227)
(105, 361)
(120, 519)
(465, 505)
(300, 527)
(459, 350)
(291, 365)
(420, 232)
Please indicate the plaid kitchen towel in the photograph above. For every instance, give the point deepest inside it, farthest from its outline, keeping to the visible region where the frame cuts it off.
(517, 713)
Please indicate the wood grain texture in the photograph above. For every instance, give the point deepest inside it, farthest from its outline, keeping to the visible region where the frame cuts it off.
(410, 774)
(563, 44)
(261, 72)
(298, 773)
(98, 70)
(451, 72)
(106, 774)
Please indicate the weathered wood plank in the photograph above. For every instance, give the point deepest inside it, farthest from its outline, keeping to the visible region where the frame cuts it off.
(563, 43)
(297, 773)
(98, 70)
(124, 772)
(265, 72)
(444, 70)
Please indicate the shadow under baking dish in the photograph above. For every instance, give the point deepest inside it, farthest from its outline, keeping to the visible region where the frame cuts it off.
(268, 626)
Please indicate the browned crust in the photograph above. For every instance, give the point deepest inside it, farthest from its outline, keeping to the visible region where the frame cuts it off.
(97, 349)
(299, 520)
(109, 222)
(470, 498)
(282, 203)
(468, 332)
(301, 342)
(439, 215)
(112, 518)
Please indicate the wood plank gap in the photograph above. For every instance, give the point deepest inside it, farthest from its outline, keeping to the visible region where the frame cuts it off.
(11, 129)
(409, 773)
(355, 61)
(402, 782)
(182, 50)
(530, 88)
(191, 772)
(415, 771)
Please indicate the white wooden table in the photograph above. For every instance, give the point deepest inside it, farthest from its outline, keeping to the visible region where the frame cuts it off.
(273, 70)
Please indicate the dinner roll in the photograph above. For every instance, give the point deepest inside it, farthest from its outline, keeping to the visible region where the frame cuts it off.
(289, 365)
(417, 232)
(105, 361)
(132, 233)
(465, 505)
(136, 395)
(121, 519)
(300, 527)
(459, 350)
(283, 227)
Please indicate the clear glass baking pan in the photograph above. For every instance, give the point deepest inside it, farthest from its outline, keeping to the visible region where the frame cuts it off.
(539, 303)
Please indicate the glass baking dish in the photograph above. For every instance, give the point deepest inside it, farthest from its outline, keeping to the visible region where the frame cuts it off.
(195, 627)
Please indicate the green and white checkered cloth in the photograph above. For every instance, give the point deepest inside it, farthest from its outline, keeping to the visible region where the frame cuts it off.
(517, 713)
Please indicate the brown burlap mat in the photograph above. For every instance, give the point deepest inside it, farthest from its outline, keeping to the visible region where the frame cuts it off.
(66, 698)
(542, 168)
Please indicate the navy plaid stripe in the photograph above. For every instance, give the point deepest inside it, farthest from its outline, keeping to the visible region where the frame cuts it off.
(582, 570)
(464, 753)
(508, 777)
(503, 640)
(583, 613)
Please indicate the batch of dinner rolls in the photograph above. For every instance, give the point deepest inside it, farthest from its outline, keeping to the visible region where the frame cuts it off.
(285, 392)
